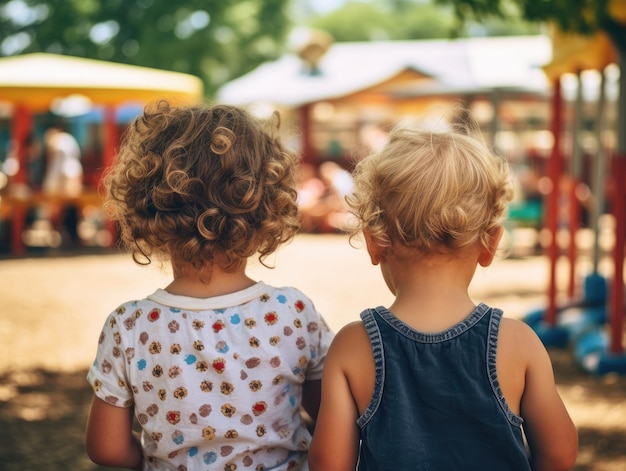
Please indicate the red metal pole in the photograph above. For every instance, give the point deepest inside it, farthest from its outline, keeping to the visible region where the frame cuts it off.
(576, 167)
(574, 226)
(111, 141)
(617, 298)
(307, 137)
(110, 136)
(22, 125)
(619, 211)
(552, 204)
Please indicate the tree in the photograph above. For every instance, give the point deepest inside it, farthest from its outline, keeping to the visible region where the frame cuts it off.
(409, 19)
(576, 16)
(216, 40)
(355, 21)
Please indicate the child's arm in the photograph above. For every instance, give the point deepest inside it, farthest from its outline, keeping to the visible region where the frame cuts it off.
(110, 440)
(336, 440)
(551, 434)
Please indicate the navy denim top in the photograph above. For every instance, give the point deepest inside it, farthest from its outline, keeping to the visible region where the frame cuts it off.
(437, 403)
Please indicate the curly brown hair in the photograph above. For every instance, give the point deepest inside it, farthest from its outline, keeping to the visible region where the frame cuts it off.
(202, 184)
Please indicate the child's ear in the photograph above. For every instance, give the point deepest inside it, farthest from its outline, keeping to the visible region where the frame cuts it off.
(372, 248)
(487, 254)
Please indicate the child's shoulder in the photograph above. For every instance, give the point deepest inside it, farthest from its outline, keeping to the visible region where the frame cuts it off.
(517, 328)
(518, 337)
(352, 336)
(299, 305)
(138, 308)
(291, 295)
(132, 306)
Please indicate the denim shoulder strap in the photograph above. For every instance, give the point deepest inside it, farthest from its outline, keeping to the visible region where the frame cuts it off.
(370, 321)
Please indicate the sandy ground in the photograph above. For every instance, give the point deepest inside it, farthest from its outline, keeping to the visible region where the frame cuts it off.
(52, 309)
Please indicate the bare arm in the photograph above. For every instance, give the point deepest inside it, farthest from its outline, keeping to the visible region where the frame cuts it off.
(336, 440)
(110, 440)
(551, 434)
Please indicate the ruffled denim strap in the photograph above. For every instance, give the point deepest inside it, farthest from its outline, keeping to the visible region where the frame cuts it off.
(492, 347)
(373, 333)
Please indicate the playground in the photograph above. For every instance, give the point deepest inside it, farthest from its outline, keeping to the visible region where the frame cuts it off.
(54, 307)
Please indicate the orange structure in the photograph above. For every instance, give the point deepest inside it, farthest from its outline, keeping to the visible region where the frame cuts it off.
(31, 83)
(571, 55)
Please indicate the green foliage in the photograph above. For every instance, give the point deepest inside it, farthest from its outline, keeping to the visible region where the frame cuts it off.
(583, 16)
(415, 19)
(355, 21)
(216, 40)
(576, 16)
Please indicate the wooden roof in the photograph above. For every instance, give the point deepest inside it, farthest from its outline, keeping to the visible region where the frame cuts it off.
(352, 67)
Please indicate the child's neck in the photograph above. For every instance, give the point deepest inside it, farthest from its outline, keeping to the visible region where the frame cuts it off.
(433, 296)
(217, 283)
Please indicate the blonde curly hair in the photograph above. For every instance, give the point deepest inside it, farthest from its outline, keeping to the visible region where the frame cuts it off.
(201, 184)
(435, 191)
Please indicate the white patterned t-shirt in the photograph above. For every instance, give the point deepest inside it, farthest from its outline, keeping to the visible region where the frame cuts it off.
(216, 383)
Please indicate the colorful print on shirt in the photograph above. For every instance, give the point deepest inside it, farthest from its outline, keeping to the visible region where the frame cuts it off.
(216, 383)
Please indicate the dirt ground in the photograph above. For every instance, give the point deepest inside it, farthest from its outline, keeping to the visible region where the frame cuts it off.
(52, 308)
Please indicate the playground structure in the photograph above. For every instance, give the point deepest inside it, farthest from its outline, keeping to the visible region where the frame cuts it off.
(592, 324)
(35, 83)
(343, 107)
(342, 104)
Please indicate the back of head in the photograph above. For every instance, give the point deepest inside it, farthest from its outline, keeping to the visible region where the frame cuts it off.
(203, 183)
(434, 190)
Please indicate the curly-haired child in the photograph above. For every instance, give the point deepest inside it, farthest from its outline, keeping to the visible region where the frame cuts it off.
(215, 367)
(434, 381)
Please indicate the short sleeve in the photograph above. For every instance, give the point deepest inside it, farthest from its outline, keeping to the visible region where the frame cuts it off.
(108, 373)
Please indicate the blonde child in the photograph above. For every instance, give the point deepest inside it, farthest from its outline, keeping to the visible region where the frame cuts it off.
(215, 367)
(434, 381)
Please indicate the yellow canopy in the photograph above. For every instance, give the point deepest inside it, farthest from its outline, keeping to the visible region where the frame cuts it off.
(35, 80)
(572, 53)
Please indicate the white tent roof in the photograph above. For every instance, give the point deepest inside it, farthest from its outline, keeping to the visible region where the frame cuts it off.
(476, 63)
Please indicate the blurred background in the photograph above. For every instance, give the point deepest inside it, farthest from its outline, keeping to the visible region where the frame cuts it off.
(73, 74)
(541, 79)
